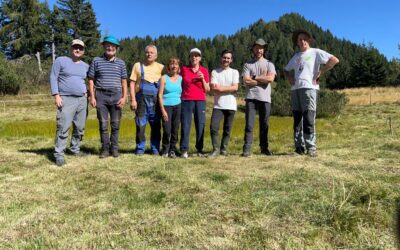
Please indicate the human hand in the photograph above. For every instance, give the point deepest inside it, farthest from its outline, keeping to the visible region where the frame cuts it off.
(93, 102)
(164, 115)
(58, 101)
(316, 77)
(133, 105)
(121, 102)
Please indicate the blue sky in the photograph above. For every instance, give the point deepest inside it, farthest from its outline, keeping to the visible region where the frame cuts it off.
(355, 20)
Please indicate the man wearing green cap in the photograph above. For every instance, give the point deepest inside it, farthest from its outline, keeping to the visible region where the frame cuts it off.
(257, 74)
(108, 92)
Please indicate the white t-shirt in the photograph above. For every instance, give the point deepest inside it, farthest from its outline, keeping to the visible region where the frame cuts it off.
(305, 65)
(225, 77)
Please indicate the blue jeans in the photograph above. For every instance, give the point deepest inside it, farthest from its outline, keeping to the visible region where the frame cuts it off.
(147, 111)
(198, 108)
(74, 110)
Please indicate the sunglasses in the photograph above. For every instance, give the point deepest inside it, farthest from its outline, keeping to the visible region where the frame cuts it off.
(78, 48)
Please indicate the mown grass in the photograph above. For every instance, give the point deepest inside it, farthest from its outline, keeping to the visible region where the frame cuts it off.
(345, 198)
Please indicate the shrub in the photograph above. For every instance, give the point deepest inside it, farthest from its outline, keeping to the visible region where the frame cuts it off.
(330, 102)
(10, 82)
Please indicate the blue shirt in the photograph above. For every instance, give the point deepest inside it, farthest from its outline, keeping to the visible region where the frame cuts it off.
(107, 74)
(172, 91)
(68, 77)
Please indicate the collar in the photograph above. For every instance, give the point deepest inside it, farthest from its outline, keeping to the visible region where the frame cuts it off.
(112, 60)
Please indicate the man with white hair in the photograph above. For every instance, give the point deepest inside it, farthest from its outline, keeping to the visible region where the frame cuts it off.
(144, 85)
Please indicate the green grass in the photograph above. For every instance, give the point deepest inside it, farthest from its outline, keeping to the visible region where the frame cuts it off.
(345, 198)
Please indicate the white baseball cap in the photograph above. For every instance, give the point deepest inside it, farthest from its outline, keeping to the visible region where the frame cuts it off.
(195, 50)
(77, 42)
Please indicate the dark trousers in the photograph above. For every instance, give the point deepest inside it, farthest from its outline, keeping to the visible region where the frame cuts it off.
(147, 111)
(171, 128)
(264, 111)
(106, 104)
(198, 108)
(216, 118)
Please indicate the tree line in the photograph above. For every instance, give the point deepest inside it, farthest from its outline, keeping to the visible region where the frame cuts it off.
(30, 27)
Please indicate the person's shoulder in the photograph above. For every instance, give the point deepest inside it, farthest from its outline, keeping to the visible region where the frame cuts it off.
(84, 64)
(119, 60)
(216, 71)
(203, 68)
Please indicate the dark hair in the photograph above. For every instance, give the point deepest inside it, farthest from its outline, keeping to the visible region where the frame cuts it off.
(226, 51)
(296, 34)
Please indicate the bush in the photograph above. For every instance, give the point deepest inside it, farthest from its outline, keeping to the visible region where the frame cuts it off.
(10, 82)
(330, 102)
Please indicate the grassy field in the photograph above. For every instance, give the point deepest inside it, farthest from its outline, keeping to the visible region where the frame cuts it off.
(346, 198)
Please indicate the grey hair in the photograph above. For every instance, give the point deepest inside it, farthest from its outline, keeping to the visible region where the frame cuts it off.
(151, 46)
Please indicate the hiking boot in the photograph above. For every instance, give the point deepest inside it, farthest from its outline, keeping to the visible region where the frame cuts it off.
(245, 154)
(300, 150)
(104, 154)
(266, 152)
(214, 153)
(312, 153)
(115, 153)
(172, 154)
(185, 155)
(60, 162)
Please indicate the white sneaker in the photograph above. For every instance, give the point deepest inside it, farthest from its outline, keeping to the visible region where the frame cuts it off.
(185, 155)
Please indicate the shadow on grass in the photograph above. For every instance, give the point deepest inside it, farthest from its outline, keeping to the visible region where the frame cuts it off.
(49, 152)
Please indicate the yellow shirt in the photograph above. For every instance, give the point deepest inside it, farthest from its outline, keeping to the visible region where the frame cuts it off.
(152, 73)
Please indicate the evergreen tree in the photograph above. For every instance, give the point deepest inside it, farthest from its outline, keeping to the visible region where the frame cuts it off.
(77, 19)
(24, 27)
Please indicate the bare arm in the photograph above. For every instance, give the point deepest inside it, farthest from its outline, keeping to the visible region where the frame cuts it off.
(249, 81)
(92, 93)
(216, 88)
(328, 66)
(289, 76)
(160, 99)
(122, 101)
(265, 78)
(132, 91)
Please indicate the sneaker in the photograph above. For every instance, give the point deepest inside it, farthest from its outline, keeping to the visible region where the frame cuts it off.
(172, 154)
(312, 153)
(104, 154)
(155, 152)
(201, 154)
(214, 153)
(185, 155)
(224, 152)
(245, 154)
(165, 155)
(139, 152)
(300, 150)
(115, 153)
(60, 162)
(266, 152)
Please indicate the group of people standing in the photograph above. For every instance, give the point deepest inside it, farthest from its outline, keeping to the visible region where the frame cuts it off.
(171, 96)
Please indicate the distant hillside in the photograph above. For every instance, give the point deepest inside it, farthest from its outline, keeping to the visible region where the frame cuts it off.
(360, 65)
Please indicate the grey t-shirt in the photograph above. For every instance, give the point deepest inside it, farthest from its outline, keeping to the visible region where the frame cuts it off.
(256, 68)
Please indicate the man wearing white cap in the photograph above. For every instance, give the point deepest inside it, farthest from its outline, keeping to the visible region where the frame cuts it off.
(68, 87)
